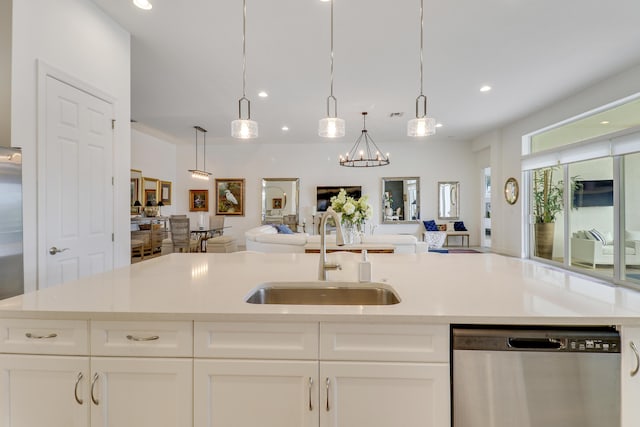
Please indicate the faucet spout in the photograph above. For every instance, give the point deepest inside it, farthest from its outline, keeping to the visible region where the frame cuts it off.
(323, 265)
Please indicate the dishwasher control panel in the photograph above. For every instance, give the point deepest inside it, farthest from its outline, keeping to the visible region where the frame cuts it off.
(570, 340)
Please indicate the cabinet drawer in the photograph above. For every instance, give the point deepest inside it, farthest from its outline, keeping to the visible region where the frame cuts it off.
(161, 339)
(64, 337)
(384, 342)
(256, 340)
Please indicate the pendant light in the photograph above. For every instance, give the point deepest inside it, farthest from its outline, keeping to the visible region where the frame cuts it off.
(364, 153)
(331, 126)
(421, 125)
(244, 128)
(197, 173)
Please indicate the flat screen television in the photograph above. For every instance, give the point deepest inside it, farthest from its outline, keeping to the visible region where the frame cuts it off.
(325, 193)
(596, 192)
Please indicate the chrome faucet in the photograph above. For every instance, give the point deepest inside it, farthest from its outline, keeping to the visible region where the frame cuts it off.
(323, 266)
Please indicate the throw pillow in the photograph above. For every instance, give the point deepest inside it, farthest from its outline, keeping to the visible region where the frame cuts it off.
(283, 229)
(430, 225)
(597, 236)
(459, 226)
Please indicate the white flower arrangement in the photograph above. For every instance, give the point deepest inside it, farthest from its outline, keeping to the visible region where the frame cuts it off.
(354, 212)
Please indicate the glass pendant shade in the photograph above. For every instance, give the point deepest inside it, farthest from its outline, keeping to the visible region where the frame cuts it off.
(423, 126)
(244, 129)
(331, 127)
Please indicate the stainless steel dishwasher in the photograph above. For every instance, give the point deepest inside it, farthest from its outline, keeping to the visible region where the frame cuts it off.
(526, 377)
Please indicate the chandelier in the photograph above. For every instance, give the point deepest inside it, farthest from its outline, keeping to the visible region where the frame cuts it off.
(364, 153)
(197, 173)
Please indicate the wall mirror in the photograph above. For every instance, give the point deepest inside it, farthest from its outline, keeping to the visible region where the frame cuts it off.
(449, 200)
(136, 190)
(400, 199)
(511, 191)
(280, 201)
(149, 191)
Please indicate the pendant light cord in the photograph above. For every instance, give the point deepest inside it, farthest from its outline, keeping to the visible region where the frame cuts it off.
(421, 42)
(331, 97)
(196, 128)
(331, 91)
(244, 47)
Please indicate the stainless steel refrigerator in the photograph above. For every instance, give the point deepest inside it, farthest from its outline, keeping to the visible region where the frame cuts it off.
(11, 259)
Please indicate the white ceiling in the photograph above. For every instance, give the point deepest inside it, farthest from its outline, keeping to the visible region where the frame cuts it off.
(187, 62)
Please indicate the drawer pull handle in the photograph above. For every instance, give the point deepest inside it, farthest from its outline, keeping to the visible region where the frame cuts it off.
(327, 386)
(310, 386)
(151, 338)
(75, 391)
(40, 337)
(93, 386)
(635, 352)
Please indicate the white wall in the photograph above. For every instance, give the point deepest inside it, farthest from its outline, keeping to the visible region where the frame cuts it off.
(156, 158)
(316, 164)
(506, 143)
(5, 73)
(78, 39)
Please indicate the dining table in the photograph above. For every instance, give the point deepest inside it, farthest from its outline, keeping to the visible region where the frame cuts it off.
(206, 233)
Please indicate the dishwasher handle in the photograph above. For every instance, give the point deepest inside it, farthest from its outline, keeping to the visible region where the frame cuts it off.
(535, 343)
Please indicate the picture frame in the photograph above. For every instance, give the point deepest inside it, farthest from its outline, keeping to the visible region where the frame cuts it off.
(230, 196)
(276, 203)
(165, 192)
(151, 196)
(198, 200)
(135, 191)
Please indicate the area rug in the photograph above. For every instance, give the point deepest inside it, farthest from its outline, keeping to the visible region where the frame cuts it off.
(464, 251)
(454, 251)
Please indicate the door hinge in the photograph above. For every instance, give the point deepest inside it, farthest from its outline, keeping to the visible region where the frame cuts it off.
(113, 123)
(113, 239)
(112, 181)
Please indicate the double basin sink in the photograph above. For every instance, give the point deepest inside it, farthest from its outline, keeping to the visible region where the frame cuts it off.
(323, 293)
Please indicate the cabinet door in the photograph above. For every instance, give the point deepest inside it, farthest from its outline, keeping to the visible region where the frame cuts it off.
(141, 392)
(47, 391)
(630, 381)
(384, 394)
(261, 393)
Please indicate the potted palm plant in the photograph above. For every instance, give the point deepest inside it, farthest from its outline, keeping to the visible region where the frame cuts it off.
(548, 202)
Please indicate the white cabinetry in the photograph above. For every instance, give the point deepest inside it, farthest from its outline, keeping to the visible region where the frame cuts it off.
(38, 387)
(381, 375)
(338, 375)
(630, 381)
(52, 378)
(141, 392)
(44, 391)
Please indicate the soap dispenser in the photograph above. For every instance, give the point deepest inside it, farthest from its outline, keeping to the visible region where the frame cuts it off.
(364, 268)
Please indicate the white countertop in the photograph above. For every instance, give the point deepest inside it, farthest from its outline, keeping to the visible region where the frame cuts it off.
(433, 287)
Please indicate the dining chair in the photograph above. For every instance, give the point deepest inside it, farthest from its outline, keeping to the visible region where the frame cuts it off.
(181, 235)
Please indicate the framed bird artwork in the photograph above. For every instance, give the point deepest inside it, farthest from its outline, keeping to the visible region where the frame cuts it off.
(230, 196)
(198, 200)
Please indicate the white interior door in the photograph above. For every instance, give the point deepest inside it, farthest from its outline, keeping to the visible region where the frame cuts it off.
(78, 188)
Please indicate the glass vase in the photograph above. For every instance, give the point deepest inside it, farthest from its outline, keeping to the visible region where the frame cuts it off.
(349, 233)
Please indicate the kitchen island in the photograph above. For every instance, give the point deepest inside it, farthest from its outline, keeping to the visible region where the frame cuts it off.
(172, 342)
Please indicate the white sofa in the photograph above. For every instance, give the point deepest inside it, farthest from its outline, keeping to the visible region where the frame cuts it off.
(265, 238)
(587, 250)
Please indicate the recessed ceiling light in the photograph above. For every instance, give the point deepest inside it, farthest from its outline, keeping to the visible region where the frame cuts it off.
(438, 125)
(263, 94)
(485, 88)
(325, 1)
(285, 128)
(143, 4)
(604, 122)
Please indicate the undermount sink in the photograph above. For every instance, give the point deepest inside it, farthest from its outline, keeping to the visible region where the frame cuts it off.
(323, 293)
